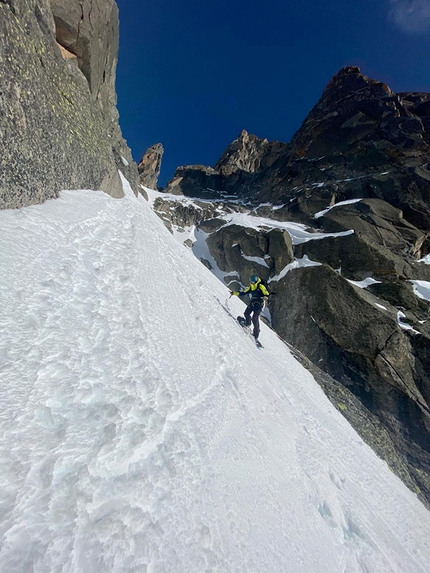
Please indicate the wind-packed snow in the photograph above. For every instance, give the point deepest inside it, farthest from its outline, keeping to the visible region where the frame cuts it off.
(422, 289)
(324, 211)
(298, 232)
(404, 325)
(365, 282)
(296, 264)
(143, 431)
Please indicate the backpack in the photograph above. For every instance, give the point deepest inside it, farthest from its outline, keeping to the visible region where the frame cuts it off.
(264, 283)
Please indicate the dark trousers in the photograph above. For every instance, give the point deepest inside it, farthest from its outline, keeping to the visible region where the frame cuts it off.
(254, 308)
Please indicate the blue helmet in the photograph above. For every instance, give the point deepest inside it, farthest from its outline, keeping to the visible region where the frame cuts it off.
(253, 279)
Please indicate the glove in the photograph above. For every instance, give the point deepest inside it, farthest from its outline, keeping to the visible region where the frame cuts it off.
(233, 293)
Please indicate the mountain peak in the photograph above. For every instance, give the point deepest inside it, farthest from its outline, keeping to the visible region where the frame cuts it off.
(244, 153)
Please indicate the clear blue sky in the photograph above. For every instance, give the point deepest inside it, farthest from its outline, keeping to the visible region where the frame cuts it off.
(193, 73)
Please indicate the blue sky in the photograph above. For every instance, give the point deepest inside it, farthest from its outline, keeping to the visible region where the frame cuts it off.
(193, 73)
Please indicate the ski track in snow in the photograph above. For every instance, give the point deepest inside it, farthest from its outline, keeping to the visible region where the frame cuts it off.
(143, 432)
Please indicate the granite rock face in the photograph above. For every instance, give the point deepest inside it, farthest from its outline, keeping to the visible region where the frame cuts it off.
(150, 165)
(237, 170)
(360, 140)
(356, 177)
(58, 121)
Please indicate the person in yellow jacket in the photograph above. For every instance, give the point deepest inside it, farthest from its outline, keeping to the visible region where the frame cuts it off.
(258, 294)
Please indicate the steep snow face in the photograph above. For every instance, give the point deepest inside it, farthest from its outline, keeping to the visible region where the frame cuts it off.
(143, 431)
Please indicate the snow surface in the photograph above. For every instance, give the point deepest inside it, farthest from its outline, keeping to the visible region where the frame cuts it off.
(421, 289)
(143, 431)
(324, 211)
(404, 325)
(364, 283)
(305, 261)
(297, 231)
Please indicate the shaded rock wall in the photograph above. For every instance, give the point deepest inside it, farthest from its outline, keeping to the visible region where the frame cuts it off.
(58, 121)
(341, 329)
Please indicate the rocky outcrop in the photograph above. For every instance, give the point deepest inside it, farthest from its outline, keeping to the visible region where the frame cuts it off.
(358, 168)
(150, 165)
(248, 153)
(341, 329)
(383, 246)
(235, 172)
(359, 109)
(360, 140)
(58, 121)
(243, 251)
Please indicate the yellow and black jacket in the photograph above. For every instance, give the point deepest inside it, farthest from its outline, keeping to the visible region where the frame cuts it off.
(257, 291)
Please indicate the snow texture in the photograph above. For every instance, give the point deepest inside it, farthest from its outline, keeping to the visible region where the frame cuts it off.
(324, 211)
(364, 283)
(298, 232)
(296, 264)
(143, 431)
(422, 289)
(404, 325)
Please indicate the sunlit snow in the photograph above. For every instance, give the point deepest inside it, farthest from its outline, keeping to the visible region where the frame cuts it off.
(298, 232)
(404, 325)
(422, 289)
(143, 431)
(365, 282)
(324, 211)
(296, 264)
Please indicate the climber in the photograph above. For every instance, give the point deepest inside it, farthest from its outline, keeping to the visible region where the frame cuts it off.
(258, 292)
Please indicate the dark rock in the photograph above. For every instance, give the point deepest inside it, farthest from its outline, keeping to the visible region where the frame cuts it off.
(280, 249)
(384, 245)
(352, 107)
(232, 247)
(211, 225)
(339, 328)
(195, 181)
(233, 174)
(400, 294)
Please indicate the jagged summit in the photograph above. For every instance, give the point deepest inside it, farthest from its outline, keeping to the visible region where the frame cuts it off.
(244, 153)
(356, 110)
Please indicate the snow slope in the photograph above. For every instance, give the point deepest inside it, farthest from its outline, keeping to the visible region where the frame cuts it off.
(143, 431)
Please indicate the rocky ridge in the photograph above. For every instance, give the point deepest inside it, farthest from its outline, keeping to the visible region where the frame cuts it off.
(349, 291)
